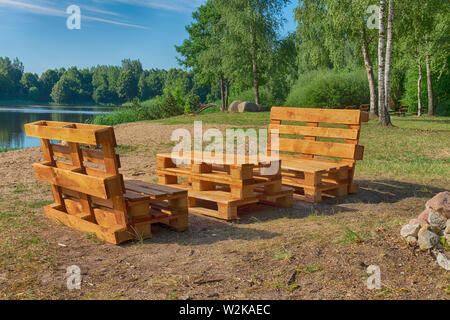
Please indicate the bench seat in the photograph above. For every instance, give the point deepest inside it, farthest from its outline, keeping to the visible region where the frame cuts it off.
(309, 165)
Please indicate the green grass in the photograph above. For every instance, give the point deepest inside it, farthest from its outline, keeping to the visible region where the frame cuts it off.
(351, 236)
(117, 117)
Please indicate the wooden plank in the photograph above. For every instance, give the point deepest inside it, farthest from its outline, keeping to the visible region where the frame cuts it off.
(321, 148)
(141, 188)
(295, 182)
(221, 159)
(64, 134)
(316, 115)
(316, 131)
(93, 156)
(157, 187)
(75, 125)
(108, 234)
(98, 187)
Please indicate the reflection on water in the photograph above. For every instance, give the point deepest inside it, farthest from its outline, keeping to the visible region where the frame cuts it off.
(13, 118)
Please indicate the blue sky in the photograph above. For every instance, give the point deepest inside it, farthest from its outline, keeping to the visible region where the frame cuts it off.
(35, 32)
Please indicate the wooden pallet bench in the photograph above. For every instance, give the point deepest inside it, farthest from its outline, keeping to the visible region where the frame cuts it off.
(89, 192)
(323, 162)
(401, 111)
(218, 188)
(363, 107)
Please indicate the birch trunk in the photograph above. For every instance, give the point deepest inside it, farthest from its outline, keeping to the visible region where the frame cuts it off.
(255, 66)
(227, 92)
(370, 77)
(419, 90)
(429, 87)
(388, 63)
(381, 64)
(222, 94)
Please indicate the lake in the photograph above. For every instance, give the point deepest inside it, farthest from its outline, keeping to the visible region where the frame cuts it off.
(13, 118)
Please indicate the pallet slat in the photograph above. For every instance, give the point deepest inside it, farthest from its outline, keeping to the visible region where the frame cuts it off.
(315, 131)
(327, 149)
(317, 115)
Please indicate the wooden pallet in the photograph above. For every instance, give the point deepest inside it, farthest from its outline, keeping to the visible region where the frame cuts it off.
(363, 107)
(401, 111)
(90, 193)
(217, 188)
(317, 166)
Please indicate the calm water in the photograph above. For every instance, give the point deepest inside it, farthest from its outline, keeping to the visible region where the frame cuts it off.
(13, 118)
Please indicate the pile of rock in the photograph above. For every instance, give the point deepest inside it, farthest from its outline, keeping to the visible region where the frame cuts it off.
(431, 229)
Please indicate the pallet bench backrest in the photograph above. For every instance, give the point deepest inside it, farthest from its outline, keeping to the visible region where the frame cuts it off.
(100, 180)
(319, 131)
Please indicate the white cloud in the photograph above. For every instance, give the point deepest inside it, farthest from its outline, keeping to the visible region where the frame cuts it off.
(171, 5)
(49, 11)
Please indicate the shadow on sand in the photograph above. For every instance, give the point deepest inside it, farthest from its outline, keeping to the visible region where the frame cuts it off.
(205, 230)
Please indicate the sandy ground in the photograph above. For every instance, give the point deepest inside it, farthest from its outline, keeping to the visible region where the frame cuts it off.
(305, 252)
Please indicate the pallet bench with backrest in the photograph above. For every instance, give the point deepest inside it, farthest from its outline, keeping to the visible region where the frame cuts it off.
(89, 192)
(323, 162)
(401, 111)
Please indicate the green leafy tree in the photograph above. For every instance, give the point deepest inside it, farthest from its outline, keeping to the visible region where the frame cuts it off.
(29, 80)
(46, 82)
(66, 90)
(250, 28)
(34, 94)
(204, 50)
(126, 85)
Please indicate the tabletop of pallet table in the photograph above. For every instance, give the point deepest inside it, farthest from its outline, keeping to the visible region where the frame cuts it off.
(221, 159)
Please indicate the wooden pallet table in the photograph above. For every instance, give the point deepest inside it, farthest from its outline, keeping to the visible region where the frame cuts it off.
(218, 186)
(89, 192)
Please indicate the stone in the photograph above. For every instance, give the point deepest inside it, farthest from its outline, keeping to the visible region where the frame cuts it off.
(427, 239)
(447, 238)
(424, 215)
(447, 227)
(417, 221)
(435, 219)
(248, 107)
(410, 230)
(234, 106)
(440, 203)
(443, 261)
(412, 240)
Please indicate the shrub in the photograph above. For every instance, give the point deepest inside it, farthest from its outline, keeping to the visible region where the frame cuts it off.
(328, 88)
(117, 117)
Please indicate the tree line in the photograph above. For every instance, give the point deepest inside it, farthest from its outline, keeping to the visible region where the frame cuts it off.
(236, 46)
(100, 84)
(383, 52)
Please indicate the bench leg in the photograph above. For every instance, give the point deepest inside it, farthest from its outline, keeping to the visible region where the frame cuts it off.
(312, 192)
(227, 212)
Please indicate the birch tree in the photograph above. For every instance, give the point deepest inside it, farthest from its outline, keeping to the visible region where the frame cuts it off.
(250, 29)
